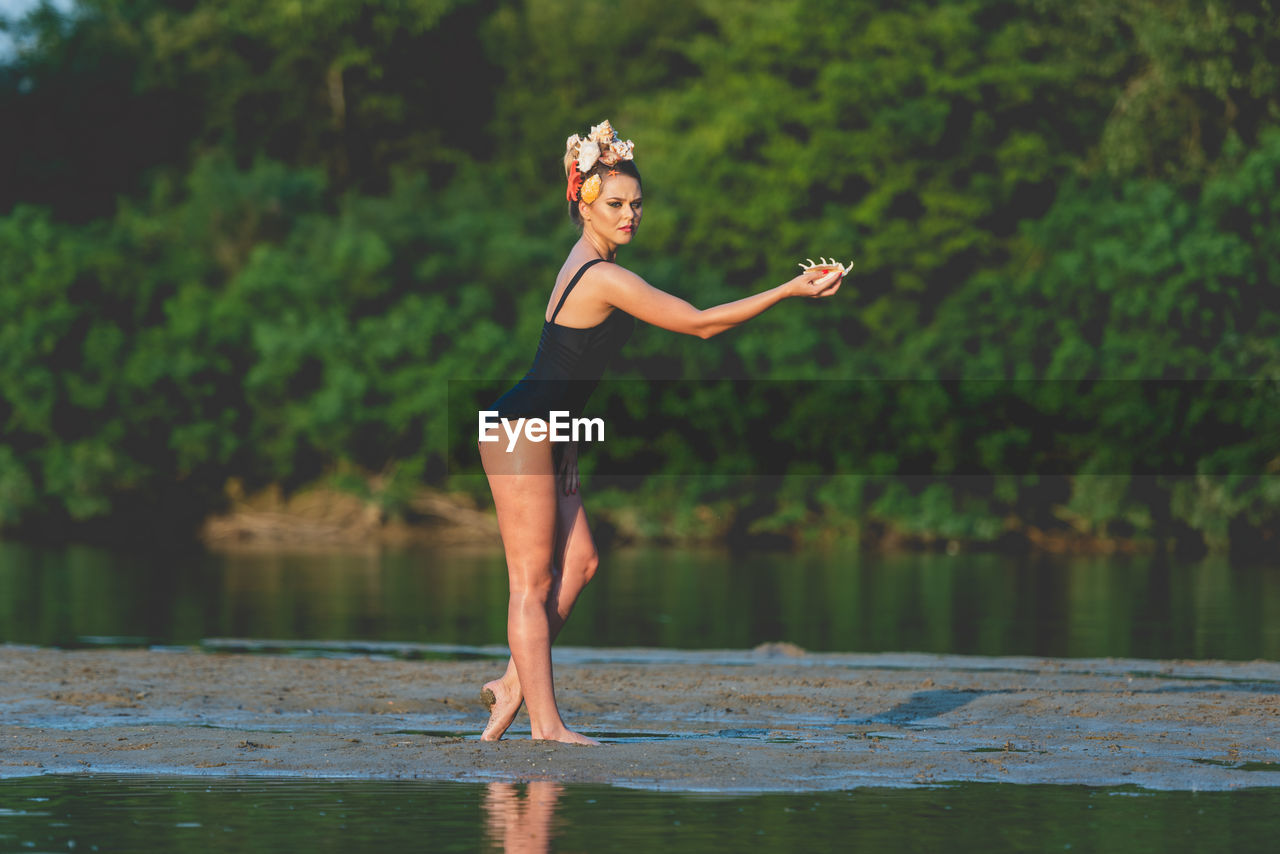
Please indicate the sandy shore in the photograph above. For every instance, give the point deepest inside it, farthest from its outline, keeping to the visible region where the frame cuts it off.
(768, 719)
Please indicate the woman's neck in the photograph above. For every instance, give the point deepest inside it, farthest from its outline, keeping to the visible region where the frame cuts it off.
(606, 250)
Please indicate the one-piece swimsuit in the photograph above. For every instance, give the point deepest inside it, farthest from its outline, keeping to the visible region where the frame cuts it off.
(568, 364)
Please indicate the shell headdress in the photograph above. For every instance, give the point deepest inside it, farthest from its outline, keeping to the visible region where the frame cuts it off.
(581, 154)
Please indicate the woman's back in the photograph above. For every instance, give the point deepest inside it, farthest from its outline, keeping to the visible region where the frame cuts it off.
(568, 363)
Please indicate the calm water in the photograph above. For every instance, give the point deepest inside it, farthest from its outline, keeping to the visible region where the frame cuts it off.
(968, 604)
(848, 602)
(141, 814)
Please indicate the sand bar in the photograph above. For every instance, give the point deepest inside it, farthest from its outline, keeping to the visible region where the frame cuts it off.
(770, 719)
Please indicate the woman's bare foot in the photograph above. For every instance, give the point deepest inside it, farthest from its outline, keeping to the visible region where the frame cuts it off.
(565, 736)
(503, 702)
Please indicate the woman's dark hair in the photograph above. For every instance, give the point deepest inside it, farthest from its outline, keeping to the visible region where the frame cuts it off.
(625, 167)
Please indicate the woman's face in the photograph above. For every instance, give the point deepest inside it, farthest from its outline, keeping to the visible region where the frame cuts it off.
(615, 215)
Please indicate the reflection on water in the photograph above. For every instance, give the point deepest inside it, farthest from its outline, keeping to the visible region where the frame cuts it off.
(141, 815)
(520, 818)
(849, 602)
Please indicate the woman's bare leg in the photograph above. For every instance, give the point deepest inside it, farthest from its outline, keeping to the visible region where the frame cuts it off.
(521, 824)
(524, 493)
(576, 562)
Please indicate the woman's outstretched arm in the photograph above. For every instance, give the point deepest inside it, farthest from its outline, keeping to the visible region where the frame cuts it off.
(625, 290)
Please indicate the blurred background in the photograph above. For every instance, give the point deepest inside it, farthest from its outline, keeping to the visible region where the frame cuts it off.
(245, 247)
(257, 257)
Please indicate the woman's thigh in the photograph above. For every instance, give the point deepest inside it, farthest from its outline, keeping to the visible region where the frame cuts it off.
(524, 494)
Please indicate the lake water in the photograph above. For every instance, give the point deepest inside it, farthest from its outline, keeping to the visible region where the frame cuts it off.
(967, 604)
(832, 601)
(146, 814)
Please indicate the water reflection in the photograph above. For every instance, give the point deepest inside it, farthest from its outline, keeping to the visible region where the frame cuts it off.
(520, 819)
(830, 601)
(142, 814)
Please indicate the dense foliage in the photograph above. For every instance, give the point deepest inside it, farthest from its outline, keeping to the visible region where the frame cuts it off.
(258, 241)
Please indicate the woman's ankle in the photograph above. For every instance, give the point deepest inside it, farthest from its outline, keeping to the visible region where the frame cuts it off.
(548, 733)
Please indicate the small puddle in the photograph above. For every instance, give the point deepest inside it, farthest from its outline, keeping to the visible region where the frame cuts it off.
(619, 737)
(378, 650)
(754, 734)
(1240, 766)
(743, 732)
(435, 733)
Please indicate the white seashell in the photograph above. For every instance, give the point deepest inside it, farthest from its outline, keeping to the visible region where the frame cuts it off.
(603, 133)
(588, 154)
(624, 150)
(844, 270)
(827, 279)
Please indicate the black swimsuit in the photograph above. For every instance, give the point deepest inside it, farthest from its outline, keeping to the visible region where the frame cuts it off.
(568, 364)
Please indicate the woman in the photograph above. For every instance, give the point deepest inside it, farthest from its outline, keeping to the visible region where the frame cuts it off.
(549, 551)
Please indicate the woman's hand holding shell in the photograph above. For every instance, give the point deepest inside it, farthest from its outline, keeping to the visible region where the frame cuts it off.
(821, 278)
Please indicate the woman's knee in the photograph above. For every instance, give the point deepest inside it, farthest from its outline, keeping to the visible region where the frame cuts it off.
(587, 565)
(531, 581)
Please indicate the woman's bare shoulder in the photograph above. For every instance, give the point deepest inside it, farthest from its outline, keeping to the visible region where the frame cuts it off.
(613, 273)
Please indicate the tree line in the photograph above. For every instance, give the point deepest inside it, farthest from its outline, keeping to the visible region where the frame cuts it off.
(260, 241)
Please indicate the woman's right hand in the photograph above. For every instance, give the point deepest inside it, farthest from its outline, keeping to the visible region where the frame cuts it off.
(816, 283)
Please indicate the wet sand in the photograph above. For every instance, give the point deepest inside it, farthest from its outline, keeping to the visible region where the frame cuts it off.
(769, 719)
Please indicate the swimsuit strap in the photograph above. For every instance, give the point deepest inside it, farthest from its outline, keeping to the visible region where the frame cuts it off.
(572, 282)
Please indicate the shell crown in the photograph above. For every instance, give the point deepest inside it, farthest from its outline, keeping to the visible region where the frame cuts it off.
(601, 143)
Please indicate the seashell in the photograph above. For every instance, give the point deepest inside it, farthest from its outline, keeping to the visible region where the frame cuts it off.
(831, 268)
(608, 156)
(571, 153)
(588, 154)
(623, 150)
(603, 133)
(591, 189)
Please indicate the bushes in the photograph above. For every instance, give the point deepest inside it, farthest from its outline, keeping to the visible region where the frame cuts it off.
(243, 329)
(308, 236)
